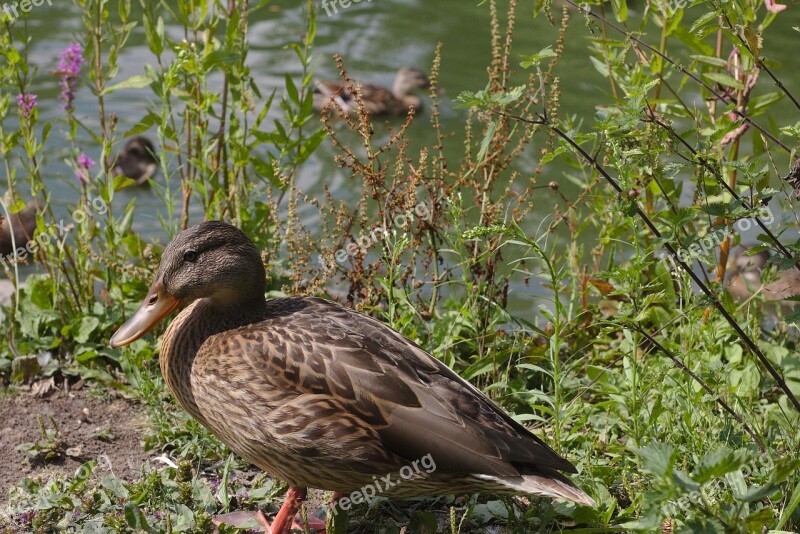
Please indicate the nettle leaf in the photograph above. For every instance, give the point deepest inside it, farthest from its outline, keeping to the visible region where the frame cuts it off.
(536, 58)
(657, 458)
(793, 317)
(469, 99)
(510, 96)
(487, 139)
(550, 156)
(719, 463)
(757, 493)
(784, 468)
(485, 98)
(704, 20)
(684, 481)
(716, 209)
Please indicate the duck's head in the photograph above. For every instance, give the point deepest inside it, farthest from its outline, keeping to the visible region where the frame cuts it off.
(410, 79)
(137, 160)
(212, 260)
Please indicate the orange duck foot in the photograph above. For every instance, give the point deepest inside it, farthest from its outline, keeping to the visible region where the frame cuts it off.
(286, 520)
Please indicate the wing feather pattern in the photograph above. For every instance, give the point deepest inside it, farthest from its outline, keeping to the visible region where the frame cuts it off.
(338, 363)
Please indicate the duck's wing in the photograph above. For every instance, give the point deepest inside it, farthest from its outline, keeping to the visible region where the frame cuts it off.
(403, 401)
(381, 101)
(326, 91)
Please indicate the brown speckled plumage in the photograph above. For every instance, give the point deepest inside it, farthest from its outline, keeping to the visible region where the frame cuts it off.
(21, 226)
(375, 99)
(322, 396)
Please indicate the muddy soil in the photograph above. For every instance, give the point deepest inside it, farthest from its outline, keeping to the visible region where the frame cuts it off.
(89, 428)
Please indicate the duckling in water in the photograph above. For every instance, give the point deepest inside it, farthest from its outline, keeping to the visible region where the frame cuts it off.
(21, 226)
(377, 100)
(137, 160)
(746, 280)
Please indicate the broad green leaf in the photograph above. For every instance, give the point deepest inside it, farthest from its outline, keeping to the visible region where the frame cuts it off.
(724, 79)
(134, 82)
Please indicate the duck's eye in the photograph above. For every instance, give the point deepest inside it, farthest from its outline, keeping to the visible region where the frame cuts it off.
(190, 256)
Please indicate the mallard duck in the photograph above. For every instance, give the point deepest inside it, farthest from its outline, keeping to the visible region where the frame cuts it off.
(137, 160)
(377, 100)
(746, 279)
(322, 396)
(21, 226)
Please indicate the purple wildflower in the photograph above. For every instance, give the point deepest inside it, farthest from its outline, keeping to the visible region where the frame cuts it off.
(26, 103)
(84, 164)
(26, 518)
(215, 484)
(69, 67)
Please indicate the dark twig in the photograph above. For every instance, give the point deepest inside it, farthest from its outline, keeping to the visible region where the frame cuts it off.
(705, 387)
(759, 62)
(702, 161)
(649, 223)
(723, 98)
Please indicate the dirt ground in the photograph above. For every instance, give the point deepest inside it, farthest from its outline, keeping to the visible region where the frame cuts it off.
(108, 431)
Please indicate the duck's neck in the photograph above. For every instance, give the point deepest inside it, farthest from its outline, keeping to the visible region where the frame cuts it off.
(400, 88)
(187, 333)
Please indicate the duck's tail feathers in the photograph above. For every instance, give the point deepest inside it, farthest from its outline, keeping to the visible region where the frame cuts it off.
(545, 483)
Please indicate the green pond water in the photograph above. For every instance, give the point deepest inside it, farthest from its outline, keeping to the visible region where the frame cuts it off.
(375, 37)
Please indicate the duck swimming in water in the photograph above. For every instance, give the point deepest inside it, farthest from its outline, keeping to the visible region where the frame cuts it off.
(137, 160)
(321, 396)
(377, 100)
(21, 226)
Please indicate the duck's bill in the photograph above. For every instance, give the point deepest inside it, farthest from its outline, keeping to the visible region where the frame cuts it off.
(157, 305)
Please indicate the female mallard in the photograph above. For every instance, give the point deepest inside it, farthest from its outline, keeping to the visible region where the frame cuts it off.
(320, 395)
(20, 226)
(746, 279)
(376, 100)
(137, 160)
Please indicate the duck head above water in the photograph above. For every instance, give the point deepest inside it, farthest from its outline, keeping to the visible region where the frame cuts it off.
(137, 160)
(213, 261)
(409, 79)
